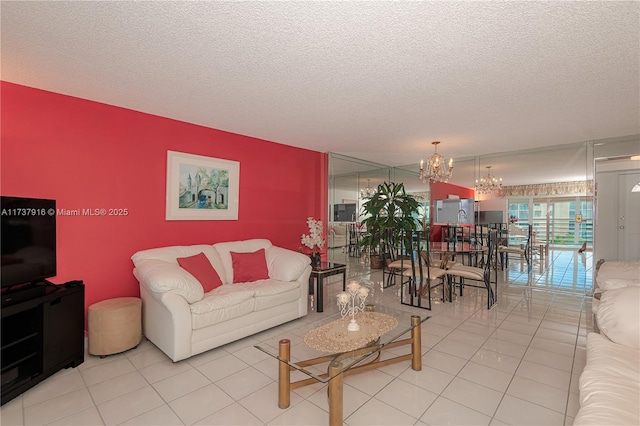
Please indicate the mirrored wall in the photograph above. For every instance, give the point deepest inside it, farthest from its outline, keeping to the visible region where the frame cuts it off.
(551, 188)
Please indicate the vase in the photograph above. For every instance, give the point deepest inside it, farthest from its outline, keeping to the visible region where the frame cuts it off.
(315, 259)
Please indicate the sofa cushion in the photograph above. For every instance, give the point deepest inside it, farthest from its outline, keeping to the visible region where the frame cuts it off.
(222, 304)
(615, 283)
(618, 316)
(285, 265)
(200, 267)
(626, 270)
(270, 293)
(248, 267)
(224, 252)
(609, 387)
(161, 276)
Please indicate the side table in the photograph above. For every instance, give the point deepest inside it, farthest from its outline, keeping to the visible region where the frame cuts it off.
(323, 270)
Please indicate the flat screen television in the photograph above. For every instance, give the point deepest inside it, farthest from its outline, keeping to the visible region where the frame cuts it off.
(27, 240)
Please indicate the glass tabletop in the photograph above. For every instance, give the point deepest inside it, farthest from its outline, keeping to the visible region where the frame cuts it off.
(314, 345)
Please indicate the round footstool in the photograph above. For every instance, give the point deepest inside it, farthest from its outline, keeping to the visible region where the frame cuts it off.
(115, 325)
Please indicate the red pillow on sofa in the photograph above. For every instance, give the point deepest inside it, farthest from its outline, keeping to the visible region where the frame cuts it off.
(200, 267)
(249, 267)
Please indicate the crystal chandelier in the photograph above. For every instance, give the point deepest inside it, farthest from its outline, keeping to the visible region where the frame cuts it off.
(437, 169)
(368, 191)
(489, 184)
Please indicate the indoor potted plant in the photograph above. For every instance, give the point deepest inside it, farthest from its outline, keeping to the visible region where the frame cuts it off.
(389, 207)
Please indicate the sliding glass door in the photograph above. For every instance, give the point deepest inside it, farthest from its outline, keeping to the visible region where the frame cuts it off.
(565, 221)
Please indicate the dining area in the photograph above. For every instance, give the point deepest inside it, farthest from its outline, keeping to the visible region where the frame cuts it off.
(438, 265)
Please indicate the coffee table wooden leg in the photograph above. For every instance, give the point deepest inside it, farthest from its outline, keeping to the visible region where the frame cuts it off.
(416, 343)
(284, 374)
(335, 394)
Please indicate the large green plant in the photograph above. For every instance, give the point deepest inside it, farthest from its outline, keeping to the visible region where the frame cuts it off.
(389, 207)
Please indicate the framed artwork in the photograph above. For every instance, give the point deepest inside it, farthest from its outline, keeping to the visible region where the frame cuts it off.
(201, 188)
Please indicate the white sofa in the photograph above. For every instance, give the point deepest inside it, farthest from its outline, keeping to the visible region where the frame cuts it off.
(337, 234)
(610, 381)
(182, 320)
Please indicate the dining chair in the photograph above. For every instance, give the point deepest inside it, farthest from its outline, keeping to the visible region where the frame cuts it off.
(422, 276)
(396, 260)
(484, 277)
(522, 249)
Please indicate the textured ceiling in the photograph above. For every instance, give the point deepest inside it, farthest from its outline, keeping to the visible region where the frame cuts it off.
(372, 80)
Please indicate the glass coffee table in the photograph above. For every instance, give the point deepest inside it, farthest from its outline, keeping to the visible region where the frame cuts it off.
(329, 352)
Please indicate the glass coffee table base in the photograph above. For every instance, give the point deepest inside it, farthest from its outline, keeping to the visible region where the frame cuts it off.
(336, 370)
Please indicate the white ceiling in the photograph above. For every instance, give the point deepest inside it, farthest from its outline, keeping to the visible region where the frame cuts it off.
(372, 80)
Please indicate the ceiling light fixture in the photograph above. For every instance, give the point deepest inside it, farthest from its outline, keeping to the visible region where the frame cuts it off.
(437, 169)
(368, 191)
(489, 184)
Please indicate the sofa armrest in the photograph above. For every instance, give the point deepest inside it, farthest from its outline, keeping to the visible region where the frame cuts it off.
(284, 264)
(166, 321)
(161, 276)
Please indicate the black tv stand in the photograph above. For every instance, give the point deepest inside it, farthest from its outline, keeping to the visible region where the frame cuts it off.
(42, 332)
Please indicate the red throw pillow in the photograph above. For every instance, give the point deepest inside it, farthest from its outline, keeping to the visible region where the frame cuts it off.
(200, 267)
(249, 267)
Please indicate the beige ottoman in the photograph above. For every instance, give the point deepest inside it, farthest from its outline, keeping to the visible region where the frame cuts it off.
(115, 325)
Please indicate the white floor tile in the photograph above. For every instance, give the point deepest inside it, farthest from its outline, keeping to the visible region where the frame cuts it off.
(128, 406)
(232, 415)
(303, 414)
(200, 404)
(515, 411)
(163, 369)
(446, 412)
(442, 361)
(222, 367)
(541, 373)
(549, 359)
(117, 386)
(161, 416)
(496, 360)
(88, 417)
(57, 408)
(408, 398)
(428, 378)
(263, 403)
(11, 412)
(52, 387)
(369, 382)
(486, 376)
(181, 384)
(376, 412)
(539, 393)
(473, 395)
(243, 383)
(107, 370)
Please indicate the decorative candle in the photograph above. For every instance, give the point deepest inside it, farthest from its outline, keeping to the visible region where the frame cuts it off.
(354, 286)
(363, 292)
(343, 297)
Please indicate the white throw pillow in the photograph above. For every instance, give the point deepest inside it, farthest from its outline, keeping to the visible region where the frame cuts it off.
(618, 316)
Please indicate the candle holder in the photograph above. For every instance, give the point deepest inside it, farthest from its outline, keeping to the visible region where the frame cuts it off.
(351, 302)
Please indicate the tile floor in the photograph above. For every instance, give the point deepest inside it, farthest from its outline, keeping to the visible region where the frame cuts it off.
(517, 364)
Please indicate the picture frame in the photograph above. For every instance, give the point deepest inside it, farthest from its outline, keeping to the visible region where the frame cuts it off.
(201, 188)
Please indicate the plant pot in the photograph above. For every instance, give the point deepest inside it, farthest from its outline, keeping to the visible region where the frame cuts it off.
(315, 259)
(376, 262)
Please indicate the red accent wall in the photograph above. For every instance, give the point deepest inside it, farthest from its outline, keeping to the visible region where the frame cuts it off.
(88, 155)
(441, 191)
